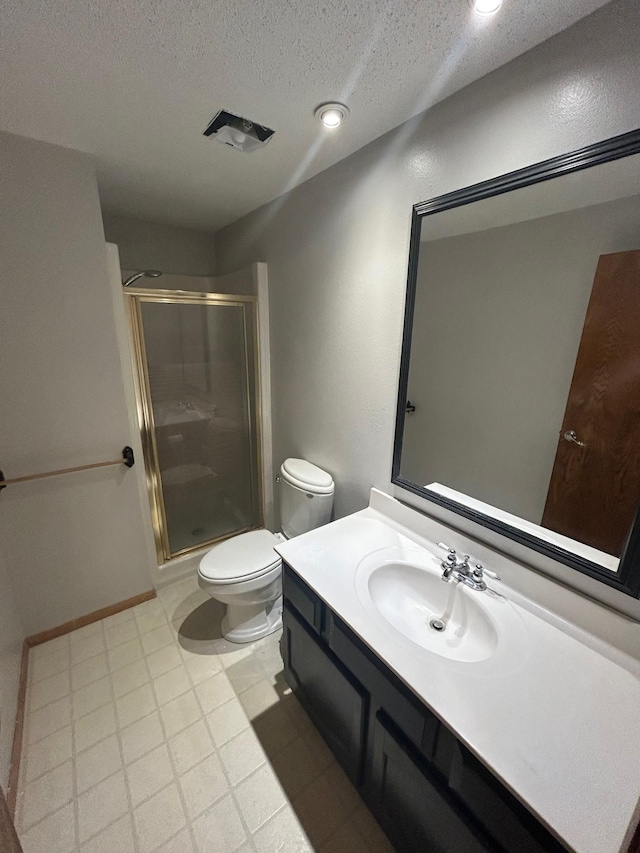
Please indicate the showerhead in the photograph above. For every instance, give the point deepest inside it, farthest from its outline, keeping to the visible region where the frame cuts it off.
(141, 274)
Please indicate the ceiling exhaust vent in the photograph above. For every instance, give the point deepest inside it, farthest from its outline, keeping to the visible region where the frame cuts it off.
(238, 132)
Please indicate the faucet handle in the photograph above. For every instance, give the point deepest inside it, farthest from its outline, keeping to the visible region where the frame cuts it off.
(452, 556)
(479, 571)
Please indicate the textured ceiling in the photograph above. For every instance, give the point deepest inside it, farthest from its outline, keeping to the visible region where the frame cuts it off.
(135, 82)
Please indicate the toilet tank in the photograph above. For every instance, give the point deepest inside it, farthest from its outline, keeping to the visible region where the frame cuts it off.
(306, 497)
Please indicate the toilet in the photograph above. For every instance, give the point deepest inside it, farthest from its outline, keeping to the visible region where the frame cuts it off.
(245, 573)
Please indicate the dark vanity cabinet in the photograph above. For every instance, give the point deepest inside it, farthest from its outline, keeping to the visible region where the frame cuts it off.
(427, 790)
(332, 697)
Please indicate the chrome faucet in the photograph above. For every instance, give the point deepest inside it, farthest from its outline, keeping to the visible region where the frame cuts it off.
(460, 571)
(451, 564)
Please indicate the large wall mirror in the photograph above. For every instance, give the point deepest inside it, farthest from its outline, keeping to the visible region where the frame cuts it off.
(519, 395)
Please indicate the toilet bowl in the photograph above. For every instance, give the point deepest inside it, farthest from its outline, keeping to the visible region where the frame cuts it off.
(245, 573)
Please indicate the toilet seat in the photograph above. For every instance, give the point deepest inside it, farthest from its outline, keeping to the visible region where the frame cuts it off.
(243, 558)
(245, 573)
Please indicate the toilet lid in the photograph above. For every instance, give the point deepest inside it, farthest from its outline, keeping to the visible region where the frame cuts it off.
(241, 558)
(306, 476)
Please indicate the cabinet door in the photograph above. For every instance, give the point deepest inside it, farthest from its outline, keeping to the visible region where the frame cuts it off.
(500, 813)
(412, 805)
(329, 694)
(408, 713)
(302, 597)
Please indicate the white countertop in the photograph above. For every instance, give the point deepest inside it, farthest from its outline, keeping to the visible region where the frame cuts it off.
(559, 724)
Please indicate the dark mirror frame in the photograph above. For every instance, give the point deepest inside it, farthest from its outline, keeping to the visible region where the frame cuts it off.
(627, 578)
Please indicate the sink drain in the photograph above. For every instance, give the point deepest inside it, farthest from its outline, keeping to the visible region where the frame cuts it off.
(437, 624)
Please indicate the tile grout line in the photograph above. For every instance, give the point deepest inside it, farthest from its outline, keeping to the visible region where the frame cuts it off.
(167, 609)
(124, 766)
(203, 718)
(24, 756)
(216, 749)
(31, 687)
(125, 777)
(268, 758)
(115, 772)
(176, 779)
(72, 724)
(20, 817)
(230, 789)
(288, 804)
(74, 754)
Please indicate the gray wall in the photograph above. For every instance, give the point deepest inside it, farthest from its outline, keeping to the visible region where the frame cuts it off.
(71, 544)
(149, 245)
(11, 637)
(337, 245)
(498, 320)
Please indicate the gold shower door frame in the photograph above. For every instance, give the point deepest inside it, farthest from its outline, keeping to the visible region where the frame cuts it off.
(136, 297)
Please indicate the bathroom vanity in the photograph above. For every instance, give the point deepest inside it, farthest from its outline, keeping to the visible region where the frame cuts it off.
(510, 730)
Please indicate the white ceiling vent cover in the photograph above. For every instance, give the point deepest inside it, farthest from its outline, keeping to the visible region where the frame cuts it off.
(238, 132)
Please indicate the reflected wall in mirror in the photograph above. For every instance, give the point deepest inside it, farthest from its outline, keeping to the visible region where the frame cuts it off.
(519, 399)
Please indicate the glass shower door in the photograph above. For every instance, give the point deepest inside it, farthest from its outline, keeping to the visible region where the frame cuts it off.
(197, 371)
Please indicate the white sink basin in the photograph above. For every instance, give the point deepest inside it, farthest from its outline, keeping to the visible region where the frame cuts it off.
(403, 591)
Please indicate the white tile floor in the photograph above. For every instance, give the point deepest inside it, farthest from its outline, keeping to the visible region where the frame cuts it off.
(149, 732)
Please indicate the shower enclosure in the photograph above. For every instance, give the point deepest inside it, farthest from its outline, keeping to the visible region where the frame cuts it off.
(197, 366)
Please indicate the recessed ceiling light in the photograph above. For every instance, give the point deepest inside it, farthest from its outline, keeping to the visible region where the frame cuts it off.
(486, 7)
(331, 115)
